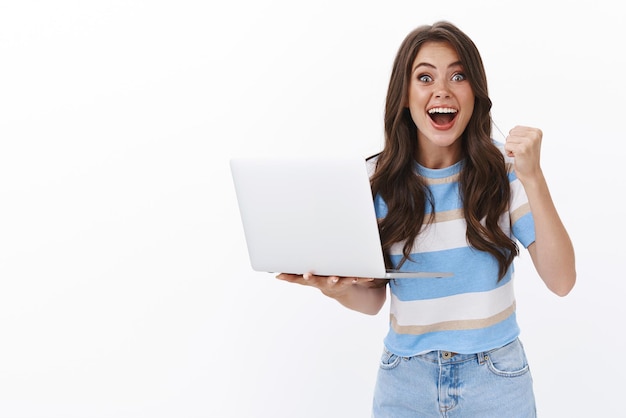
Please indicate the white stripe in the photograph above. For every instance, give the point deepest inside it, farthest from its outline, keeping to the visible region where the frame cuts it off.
(437, 236)
(518, 195)
(466, 306)
(505, 223)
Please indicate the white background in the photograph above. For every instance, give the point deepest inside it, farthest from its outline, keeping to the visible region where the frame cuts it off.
(125, 289)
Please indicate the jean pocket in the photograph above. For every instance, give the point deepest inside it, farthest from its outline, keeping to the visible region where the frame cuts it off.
(388, 360)
(508, 361)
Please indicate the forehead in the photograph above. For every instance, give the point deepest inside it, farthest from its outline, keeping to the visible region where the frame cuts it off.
(436, 52)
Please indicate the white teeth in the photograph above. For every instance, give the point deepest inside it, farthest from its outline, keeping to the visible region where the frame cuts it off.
(442, 110)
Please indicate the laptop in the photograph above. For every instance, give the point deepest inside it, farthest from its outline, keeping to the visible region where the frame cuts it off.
(311, 215)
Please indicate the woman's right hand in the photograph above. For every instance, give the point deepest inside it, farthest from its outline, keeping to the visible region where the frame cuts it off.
(358, 293)
(332, 286)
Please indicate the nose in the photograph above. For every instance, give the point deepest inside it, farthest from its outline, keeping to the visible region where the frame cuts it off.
(442, 93)
(441, 90)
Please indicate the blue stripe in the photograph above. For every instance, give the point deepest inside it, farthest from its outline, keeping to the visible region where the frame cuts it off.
(380, 207)
(512, 176)
(524, 229)
(446, 197)
(474, 271)
(465, 341)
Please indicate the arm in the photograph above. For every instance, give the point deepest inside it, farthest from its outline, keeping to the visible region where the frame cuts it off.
(359, 294)
(552, 252)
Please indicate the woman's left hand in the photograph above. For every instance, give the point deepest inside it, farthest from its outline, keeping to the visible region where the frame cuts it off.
(524, 144)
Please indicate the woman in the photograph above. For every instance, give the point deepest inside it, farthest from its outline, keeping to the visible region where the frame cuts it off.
(449, 198)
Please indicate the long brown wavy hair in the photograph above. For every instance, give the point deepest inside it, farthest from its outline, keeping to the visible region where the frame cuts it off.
(483, 180)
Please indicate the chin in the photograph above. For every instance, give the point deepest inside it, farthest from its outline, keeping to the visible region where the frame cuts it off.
(445, 140)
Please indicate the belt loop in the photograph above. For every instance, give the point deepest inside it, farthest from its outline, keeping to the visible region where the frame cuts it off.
(481, 358)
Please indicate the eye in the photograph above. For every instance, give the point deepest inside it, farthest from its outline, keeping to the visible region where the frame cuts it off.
(424, 78)
(459, 77)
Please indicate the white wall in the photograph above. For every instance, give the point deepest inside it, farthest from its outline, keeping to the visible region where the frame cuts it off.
(124, 285)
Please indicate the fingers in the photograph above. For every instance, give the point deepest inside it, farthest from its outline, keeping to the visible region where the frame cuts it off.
(524, 144)
(323, 282)
(522, 140)
(320, 280)
(524, 135)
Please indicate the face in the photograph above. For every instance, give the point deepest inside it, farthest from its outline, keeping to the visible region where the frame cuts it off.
(441, 100)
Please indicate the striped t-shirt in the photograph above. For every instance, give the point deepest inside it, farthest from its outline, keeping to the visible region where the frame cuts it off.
(471, 311)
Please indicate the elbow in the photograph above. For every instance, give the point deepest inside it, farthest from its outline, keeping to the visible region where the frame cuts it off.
(372, 312)
(562, 291)
(371, 309)
(564, 285)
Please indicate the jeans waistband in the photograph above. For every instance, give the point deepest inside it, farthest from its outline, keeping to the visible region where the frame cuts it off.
(442, 356)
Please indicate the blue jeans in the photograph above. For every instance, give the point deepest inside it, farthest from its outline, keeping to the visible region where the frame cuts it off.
(495, 383)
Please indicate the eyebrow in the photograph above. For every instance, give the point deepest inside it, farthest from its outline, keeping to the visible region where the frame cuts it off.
(426, 64)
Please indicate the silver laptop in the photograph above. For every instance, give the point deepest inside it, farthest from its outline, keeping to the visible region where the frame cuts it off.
(311, 214)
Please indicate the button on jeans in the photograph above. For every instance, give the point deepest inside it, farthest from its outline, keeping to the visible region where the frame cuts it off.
(492, 384)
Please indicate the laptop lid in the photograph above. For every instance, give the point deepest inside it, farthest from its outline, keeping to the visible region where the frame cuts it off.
(311, 214)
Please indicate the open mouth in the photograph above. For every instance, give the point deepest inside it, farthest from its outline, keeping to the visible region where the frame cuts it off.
(442, 116)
